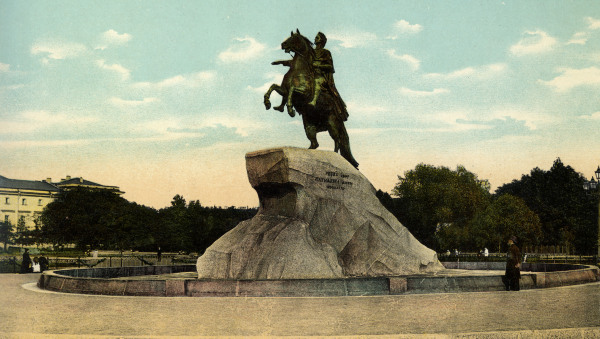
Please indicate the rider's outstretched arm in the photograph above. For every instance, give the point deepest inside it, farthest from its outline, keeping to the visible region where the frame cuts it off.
(282, 62)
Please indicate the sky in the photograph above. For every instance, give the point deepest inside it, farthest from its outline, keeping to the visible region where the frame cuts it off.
(166, 97)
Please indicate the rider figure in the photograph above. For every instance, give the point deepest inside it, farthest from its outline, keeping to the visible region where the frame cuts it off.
(323, 65)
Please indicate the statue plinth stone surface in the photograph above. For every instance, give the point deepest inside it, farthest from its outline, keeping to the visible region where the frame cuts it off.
(319, 218)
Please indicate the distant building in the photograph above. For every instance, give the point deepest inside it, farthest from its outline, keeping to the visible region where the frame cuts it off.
(68, 183)
(25, 199)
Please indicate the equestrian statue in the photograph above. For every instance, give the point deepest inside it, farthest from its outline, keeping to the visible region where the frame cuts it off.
(308, 87)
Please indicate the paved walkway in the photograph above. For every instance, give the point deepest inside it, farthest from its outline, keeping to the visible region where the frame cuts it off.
(565, 312)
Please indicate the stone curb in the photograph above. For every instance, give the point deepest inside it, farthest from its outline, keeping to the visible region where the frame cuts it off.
(102, 281)
(583, 333)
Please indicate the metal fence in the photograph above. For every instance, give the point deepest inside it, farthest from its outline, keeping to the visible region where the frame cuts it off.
(13, 264)
(527, 257)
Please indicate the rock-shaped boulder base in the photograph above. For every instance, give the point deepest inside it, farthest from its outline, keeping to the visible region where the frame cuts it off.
(319, 218)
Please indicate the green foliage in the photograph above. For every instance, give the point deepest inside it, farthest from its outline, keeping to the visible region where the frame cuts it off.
(25, 236)
(506, 216)
(432, 198)
(567, 214)
(86, 218)
(103, 220)
(6, 235)
(447, 209)
(192, 227)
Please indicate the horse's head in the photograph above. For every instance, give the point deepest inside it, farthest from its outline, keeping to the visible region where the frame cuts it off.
(296, 43)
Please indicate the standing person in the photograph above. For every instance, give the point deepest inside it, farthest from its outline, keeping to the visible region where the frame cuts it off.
(26, 263)
(36, 265)
(513, 266)
(43, 264)
(159, 254)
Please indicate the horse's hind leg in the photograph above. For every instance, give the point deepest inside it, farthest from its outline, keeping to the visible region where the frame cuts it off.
(311, 134)
(284, 101)
(336, 142)
(290, 105)
(281, 107)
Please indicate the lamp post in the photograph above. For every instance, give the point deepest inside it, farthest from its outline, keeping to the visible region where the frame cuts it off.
(594, 186)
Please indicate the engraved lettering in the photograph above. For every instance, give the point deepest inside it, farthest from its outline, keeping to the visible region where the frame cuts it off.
(335, 183)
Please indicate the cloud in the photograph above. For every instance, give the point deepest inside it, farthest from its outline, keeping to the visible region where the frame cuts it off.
(185, 80)
(272, 78)
(531, 119)
(403, 27)
(171, 128)
(349, 39)
(533, 42)
(593, 117)
(160, 126)
(455, 121)
(13, 87)
(571, 78)
(124, 72)
(58, 50)
(122, 103)
(412, 93)
(4, 67)
(30, 121)
(579, 38)
(593, 23)
(468, 119)
(480, 72)
(363, 108)
(242, 126)
(409, 59)
(112, 37)
(42, 143)
(243, 50)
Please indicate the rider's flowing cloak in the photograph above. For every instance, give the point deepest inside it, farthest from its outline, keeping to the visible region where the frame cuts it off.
(323, 56)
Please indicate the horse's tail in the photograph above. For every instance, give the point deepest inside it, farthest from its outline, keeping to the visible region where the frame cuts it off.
(344, 145)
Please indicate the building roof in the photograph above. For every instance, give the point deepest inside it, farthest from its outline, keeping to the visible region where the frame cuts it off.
(81, 182)
(27, 185)
(78, 182)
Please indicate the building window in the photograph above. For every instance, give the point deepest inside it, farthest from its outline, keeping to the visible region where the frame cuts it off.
(24, 202)
(7, 201)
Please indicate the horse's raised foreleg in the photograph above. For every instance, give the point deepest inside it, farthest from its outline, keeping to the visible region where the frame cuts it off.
(278, 89)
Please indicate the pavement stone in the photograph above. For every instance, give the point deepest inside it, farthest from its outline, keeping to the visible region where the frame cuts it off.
(563, 312)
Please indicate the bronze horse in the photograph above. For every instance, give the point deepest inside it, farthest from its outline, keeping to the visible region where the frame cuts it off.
(297, 90)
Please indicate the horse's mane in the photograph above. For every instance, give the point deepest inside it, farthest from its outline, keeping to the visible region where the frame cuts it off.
(309, 45)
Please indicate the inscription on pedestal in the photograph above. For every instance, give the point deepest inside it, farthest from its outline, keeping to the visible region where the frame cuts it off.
(335, 180)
